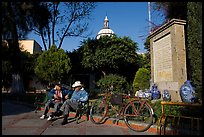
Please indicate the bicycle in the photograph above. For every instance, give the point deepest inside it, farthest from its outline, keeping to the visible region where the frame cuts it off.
(137, 113)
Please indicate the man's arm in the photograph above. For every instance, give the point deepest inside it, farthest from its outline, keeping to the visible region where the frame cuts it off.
(67, 93)
(51, 93)
(84, 96)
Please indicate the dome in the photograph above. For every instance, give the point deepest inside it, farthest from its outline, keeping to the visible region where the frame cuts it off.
(106, 31)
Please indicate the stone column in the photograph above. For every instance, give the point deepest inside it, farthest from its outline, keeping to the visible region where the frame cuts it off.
(168, 57)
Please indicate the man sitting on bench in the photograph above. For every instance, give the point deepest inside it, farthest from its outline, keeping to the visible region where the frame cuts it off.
(79, 95)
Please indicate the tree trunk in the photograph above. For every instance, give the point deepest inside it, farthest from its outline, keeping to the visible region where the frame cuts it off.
(17, 84)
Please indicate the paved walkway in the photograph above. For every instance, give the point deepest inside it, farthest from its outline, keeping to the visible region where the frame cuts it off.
(18, 119)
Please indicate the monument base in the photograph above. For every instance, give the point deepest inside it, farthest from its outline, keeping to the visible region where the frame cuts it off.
(172, 87)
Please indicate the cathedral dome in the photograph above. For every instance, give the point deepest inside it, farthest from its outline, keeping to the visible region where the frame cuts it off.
(106, 31)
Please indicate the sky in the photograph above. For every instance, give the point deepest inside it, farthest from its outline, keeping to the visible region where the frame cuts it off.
(125, 19)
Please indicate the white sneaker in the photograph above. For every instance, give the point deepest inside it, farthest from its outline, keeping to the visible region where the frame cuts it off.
(42, 117)
(49, 118)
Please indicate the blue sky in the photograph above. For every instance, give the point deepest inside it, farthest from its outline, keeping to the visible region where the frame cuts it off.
(125, 19)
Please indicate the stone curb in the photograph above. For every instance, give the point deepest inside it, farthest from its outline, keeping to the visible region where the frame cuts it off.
(109, 121)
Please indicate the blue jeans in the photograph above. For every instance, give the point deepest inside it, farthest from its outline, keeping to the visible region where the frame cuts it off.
(66, 106)
(50, 104)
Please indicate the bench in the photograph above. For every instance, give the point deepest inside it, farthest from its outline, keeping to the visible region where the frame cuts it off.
(177, 125)
(83, 107)
(40, 101)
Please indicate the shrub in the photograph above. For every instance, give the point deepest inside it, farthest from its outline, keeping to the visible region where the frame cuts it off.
(118, 82)
(141, 80)
(174, 110)
(53, 65)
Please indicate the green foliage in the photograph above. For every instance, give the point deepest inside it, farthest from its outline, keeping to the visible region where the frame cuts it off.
(141, 80)
(93, 93)
(169, 109)
(18, 19)
(108, 52)
(144, 61)
(174, 110)
(24, 15)
(110, 55)
(118, 82)
(172, 9)
(6, 66)
(53, 65)
(147, 44)
(194, 45)
(27, 65)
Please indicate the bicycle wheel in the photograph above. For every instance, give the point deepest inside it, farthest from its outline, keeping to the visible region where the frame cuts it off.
(138, 116)
(98, 111)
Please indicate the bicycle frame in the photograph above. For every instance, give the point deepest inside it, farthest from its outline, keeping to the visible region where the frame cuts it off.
(143, 102)
(134, 110)
(120, 112)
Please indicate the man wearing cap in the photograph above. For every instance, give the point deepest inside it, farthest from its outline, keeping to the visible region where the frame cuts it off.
(57, 96)
(78, 95)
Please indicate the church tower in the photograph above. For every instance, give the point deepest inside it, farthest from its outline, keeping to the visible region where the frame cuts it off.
(105, 31)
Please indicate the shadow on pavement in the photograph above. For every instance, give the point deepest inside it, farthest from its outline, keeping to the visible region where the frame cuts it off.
(10, 107)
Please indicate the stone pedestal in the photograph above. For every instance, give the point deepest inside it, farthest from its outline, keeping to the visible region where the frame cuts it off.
(168, 57)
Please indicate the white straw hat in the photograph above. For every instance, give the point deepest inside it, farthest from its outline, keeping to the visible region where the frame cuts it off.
(77, 84)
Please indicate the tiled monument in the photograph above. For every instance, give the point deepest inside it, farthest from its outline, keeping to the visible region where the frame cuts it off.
(168, 57)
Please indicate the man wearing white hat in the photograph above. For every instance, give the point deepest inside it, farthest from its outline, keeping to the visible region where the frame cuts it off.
(78, 95)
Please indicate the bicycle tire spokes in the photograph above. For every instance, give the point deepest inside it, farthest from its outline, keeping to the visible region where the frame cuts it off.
(98, 111)
(138, 116)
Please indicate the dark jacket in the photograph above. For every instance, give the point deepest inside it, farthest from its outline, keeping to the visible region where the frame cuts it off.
(64, 93)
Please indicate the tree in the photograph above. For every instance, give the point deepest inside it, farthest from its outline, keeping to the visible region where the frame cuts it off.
(142, 79)
(110, 55)
(118, 82)
(146, 59)
(53, 65)
(17, 20)
(194, 45)
(6, 67)
(170, 10)
(67, 20)
(28, 64)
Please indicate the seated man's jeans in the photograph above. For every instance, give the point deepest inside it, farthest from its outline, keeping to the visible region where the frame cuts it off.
(51, 103)
(66, 106)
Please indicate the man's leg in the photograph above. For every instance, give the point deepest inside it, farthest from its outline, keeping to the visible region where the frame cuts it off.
(56, 108)
(61, 108)
(67, 109)
(58, 112)
(47, 108)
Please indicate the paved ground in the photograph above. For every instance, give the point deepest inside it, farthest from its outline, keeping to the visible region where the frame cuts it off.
(18, 119)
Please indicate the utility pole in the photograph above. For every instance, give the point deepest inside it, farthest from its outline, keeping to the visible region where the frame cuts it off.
(149, 17)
